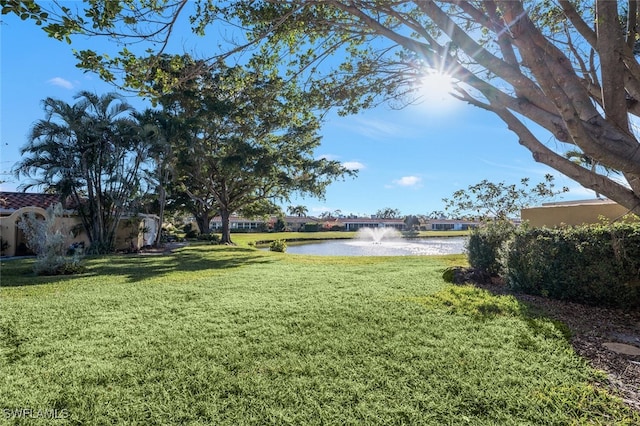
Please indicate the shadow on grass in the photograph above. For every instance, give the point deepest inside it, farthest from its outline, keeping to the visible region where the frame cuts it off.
(481, 305)
(138, 267)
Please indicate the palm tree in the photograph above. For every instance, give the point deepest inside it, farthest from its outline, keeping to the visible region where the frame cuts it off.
(299, 210)
(158, 130)
(90, 151)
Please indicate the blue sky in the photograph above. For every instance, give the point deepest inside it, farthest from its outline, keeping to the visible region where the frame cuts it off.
(408, 159)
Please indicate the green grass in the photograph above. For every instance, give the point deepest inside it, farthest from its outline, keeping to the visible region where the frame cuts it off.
(224, 335)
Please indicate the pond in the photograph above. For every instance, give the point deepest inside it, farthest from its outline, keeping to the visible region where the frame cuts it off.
(385, 247)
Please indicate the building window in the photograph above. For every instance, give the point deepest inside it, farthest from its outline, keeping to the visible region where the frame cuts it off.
(442, 226)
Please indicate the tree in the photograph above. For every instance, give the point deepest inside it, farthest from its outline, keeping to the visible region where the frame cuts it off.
(279, 225)
(262, 209)
(412, 222)
(388, 213)
(327, 215)
(567, 67)
(159, 129)
(250, 138)
(584, 160)
(490, 201)
(91, 152)
(300, 211)
(436, 214)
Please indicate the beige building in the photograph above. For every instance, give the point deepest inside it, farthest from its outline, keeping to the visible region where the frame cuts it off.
(132, 232)
(574, 213)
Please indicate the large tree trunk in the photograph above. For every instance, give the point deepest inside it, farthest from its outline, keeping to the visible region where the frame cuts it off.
(162, 202)
(203, 219)
(226, 226)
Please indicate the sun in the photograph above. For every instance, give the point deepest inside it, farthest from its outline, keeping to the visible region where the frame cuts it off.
(435, 92)
(436, 86)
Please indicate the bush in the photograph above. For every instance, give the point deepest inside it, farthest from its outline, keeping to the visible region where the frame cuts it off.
(211, 238)
(311, 227)
(278, 245)
(191, 232)
(597, 264)
(279, 225)
(4, 245)
(487, 245)
(49, 242)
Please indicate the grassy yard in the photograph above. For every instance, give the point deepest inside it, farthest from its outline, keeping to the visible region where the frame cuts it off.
(232, 335)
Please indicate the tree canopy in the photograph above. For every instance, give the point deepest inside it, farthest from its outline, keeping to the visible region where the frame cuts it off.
(388, 213)
(490, 201)
(247, 138)
(562, 74)
(93, 152)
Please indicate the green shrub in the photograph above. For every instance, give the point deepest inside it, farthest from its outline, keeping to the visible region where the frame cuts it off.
(278, 245)
(279, 225)
(4, 245)
(191, 231)
(211, 238)
(48, 240)
(311, 227)
(597, 264)
(487, 244)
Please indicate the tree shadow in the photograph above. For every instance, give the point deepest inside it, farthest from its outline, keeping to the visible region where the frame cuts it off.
(480, 304)
(135, 268)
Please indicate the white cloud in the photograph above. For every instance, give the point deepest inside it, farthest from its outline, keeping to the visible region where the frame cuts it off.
(408, 181)
(61, 82)
(353, 165)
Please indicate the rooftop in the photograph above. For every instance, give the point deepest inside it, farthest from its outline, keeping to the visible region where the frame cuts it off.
(579, 202)
(12, 201)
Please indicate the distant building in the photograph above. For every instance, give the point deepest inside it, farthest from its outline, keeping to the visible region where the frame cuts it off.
(239, 223)
(573, 212)
(300, 223)
(353, 224)
(14, 205)
(450, 225)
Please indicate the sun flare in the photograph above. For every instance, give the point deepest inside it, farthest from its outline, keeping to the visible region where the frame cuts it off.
(435, 92)
(436, 86)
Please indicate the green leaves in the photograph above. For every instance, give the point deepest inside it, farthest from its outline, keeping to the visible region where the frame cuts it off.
(594, 264)
(25, 10)
(247, 137)
(488, 200)
(91, 151)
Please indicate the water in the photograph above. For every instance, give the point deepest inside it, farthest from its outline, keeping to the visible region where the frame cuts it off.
(376, 235)
(382, 247)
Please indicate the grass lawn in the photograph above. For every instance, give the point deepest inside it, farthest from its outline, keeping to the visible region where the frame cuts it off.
(233, 335)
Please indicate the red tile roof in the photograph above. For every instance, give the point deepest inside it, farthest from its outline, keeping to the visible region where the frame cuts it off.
(17, 200)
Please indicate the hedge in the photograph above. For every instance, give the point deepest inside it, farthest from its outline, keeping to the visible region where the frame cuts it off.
(595, 264)
(486, 245)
